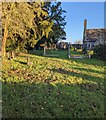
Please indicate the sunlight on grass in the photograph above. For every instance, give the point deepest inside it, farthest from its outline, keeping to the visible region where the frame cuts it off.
(77, 83)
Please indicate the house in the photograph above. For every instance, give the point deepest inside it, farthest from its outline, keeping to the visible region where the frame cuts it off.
(93, 37)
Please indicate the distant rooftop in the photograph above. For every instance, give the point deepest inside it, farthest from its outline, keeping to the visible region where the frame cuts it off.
(94, 34)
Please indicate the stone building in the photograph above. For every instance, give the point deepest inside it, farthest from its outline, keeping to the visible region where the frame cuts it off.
(93, 37)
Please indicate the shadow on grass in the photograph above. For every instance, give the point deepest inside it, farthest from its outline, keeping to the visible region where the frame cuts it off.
(31, 100)
(37, 101)
(89, 70)
(79, 75)
(88, 61)
(21, 62)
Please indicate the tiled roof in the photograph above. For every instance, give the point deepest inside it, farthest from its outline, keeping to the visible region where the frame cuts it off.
(94, 34)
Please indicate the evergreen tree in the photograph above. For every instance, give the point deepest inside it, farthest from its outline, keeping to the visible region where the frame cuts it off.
(56, 14)
(23, 25)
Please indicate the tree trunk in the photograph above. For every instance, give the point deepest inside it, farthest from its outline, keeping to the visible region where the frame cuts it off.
(4, 41)
(13, 54)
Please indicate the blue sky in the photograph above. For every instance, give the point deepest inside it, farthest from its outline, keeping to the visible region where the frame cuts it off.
(77, 12)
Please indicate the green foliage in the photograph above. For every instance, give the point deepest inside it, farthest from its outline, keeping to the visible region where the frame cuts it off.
(56, 14)
(99, 52)
(18, 18)
(46, 27)
(90, 52)
(72, 48)
(25, 24)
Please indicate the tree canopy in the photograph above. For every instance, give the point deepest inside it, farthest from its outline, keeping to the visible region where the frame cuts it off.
(23, 24)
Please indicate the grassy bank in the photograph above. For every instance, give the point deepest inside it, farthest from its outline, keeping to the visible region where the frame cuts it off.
(53, 87)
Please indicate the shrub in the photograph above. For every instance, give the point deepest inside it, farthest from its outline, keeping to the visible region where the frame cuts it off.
(99, 52)
(72, 48)
(79, 50)
(90, 52)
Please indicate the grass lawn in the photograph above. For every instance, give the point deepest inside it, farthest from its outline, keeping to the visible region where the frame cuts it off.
(52, 87)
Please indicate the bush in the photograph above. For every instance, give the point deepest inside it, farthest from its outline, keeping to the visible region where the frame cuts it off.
(79, 50)
(99, 52)
(71, 48)
(90, 52)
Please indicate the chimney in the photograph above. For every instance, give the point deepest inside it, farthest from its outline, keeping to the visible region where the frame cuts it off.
(84, 33)
(85, 23)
